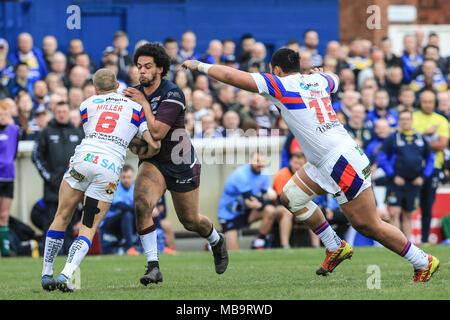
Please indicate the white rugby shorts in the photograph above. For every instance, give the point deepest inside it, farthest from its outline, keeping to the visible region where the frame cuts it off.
(345, 174)
(96, 174)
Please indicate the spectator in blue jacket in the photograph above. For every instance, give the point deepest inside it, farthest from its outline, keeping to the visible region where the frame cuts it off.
(244, 201)
(382, 130)
(188, 44)
(21, 80)
(32, 56)
(381, 111)
(407, 159)
(6, 66)
(411, 59)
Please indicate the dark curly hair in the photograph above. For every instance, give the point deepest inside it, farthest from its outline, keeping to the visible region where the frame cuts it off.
(158, 53)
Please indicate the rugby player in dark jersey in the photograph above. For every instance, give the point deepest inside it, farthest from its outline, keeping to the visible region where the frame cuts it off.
(174, 168)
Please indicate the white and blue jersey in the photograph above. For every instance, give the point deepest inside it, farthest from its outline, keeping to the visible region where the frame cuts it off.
(110, 121)
(240, 183)
(305, 105)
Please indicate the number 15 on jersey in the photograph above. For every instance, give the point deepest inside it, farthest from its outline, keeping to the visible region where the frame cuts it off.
(323, 108)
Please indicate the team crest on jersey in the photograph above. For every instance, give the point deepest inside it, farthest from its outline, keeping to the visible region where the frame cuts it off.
(111, 188)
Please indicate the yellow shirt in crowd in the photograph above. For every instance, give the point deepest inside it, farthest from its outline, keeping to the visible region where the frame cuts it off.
(422, 122)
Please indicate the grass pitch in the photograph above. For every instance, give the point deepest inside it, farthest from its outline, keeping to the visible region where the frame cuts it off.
(252, 275)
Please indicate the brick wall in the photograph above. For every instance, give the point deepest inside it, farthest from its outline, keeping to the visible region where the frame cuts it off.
(353, 16)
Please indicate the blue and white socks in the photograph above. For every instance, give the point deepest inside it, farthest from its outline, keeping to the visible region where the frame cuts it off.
(328, 237)
(78, 250)
(416, 256)
(53, 243)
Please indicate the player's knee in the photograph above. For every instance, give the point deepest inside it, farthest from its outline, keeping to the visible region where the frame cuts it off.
(63, 217)
(269, 211)
(365, 227)
(189, 223)
(142, 205)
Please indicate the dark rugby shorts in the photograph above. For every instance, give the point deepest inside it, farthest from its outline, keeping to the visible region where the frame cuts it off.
(179, 177)
(238, 223)
(405, 196)
(7, 189)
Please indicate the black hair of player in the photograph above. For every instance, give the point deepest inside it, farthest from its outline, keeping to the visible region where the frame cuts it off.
(288, 60)
(157, 52)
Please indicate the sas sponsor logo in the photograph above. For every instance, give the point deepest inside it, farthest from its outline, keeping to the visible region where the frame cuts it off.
(105, 163)
(111, 188)
(98, 100)
(304, 86)
(309, 86)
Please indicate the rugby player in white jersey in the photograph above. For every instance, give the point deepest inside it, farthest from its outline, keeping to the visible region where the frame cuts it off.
(335, 164)
(110, 122)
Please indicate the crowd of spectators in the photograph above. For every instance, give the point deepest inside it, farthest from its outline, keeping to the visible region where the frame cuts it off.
(375, 84)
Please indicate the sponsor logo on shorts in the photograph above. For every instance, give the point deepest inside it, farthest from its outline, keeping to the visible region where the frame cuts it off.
(111, 188)
(76, 175)
(366, 171)
(183, 181)
(102, 162)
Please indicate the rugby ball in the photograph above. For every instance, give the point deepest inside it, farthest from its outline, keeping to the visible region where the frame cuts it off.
(138, 149)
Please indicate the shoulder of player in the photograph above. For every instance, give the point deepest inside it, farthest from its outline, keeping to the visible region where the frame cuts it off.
(174, 95)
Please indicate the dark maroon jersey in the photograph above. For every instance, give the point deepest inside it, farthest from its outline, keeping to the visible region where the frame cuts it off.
(168, 106)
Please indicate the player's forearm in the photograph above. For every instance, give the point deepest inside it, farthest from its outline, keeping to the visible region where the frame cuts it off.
(154, 130)
(232, 76)
(153, 146)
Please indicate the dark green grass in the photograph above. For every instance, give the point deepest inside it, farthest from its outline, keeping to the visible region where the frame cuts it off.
(270, 274)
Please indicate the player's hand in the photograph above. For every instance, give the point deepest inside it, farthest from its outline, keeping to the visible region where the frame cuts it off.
(155, 212)
(191, 65)
(418, 181)
(399, 181)
(135, 95)
(315, 70)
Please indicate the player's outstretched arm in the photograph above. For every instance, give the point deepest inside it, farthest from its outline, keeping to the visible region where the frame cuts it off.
(234, 77)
